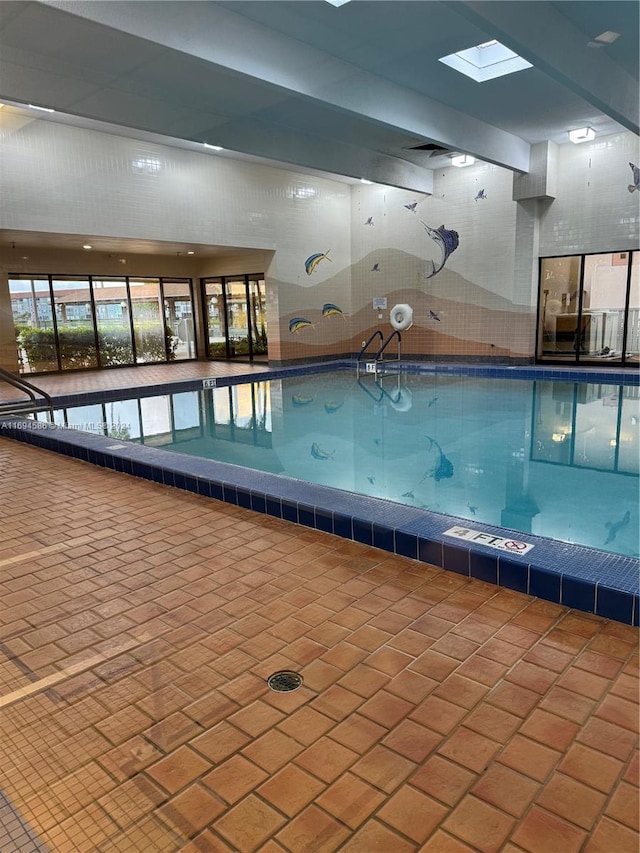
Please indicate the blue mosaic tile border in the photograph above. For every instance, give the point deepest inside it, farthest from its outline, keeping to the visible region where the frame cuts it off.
(590, 580)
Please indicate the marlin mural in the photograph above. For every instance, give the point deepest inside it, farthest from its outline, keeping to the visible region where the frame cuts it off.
(313, 260)
(447, 240)
(440, 467)
(636, 179)
(369, 221)
(434, 316)
(412, 206)
(376, 268)
(481, 196)
(298, 323)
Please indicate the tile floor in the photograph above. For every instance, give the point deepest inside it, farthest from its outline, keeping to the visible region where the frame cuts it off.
(138, 627)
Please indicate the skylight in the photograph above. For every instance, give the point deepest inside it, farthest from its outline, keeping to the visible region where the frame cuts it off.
(486, 61)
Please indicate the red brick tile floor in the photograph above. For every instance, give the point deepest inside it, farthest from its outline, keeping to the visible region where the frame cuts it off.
(138, 626)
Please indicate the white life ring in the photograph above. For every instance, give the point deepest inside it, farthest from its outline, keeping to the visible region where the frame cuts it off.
(401, 317)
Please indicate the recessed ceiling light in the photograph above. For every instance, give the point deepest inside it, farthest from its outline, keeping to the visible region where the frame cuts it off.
(607, 37)
(213, 147)
(87, 246)
(582, 134)
(461, 160)
(486, 61)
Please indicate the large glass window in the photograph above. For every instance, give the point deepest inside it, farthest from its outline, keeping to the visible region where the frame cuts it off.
(34, 324)
(74, 319)
(178, 316)
(111, 297)
(587, 305)
(216, 319)
(148, 321)
(69, 322)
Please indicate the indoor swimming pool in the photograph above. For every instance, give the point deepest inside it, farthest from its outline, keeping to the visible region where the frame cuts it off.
(556, 459)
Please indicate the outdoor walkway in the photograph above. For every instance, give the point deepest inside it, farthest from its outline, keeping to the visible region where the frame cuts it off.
(139, 624)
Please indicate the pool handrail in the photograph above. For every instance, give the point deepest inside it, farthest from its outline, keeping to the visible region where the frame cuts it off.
(28, 388)
(363, 348)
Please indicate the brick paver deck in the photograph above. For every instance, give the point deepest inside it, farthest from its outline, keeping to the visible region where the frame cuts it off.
(137, 629)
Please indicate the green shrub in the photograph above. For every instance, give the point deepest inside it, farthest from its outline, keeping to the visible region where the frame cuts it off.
(77, 345)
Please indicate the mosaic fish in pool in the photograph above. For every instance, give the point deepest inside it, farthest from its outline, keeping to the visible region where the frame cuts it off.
(318, 453)
(331, 408)
(448, 241)
(313, 260)
(636, 179)
(441, 467)
(331, 310)
(298, 323)
(614, 527)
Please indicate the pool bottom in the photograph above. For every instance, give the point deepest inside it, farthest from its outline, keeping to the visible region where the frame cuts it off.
(572, 575)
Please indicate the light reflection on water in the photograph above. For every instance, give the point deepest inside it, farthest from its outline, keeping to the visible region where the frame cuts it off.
(555, 459)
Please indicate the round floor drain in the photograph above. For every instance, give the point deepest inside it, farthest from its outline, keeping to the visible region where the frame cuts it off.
(285, 681)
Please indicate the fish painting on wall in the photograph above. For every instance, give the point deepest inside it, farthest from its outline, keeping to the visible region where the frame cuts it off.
(313, 260)
(636, 178)
(448, 241)
(298, 323)
(331, 310)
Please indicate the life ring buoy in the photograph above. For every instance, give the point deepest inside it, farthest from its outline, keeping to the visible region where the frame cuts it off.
(401, 317)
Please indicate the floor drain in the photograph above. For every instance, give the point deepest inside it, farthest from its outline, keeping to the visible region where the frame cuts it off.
(285, 681)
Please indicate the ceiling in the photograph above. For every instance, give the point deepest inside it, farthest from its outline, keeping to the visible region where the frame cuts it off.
(349, 91)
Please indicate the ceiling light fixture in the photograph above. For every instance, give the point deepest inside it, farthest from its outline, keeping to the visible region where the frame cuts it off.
(461, 160)
(582, 134)
(213, 147)
(337, 2)
(486, 61)
(365, 181)
(607, 37)
(87, 246)
(42, 109)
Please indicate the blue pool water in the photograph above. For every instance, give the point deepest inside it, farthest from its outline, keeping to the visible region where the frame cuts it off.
(554, 458)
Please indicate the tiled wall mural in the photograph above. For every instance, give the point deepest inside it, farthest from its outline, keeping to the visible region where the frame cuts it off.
(463, 259)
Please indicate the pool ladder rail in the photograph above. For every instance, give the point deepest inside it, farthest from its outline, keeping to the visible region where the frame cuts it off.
(23, 407)
(373, 366)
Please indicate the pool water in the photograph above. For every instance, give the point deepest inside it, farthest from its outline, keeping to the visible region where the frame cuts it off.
(556, 459)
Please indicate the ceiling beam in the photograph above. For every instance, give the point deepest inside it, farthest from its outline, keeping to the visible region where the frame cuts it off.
(553, 44)
(228, 40)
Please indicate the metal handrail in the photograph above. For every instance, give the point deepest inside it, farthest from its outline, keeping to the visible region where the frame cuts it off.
(386, 343)
(364, 346)
(28, 388)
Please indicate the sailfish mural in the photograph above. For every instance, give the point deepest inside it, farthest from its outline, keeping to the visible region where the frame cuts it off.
(447, 240)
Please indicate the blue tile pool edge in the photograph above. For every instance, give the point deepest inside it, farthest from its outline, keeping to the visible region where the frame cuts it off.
(589, 580)
(620, 376)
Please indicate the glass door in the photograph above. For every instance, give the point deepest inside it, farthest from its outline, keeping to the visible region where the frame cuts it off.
(215, 318)
(604, 296)
(257, 300)
(236, 317)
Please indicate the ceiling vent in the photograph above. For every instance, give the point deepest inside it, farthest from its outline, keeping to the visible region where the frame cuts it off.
(431, 147)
